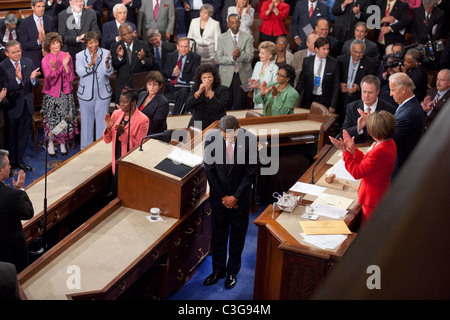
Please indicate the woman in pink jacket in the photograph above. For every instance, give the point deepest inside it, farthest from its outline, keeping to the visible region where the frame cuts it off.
(58, 103)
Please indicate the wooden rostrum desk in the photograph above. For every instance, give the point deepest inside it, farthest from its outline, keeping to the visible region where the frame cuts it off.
(120, 245)
(288, 268)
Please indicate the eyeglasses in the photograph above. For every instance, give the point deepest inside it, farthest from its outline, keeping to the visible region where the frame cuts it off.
(281, 42)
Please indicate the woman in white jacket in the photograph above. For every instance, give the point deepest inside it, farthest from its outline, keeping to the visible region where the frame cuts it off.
(205, 31)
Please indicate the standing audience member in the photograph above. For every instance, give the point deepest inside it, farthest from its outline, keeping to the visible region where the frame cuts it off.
(322, 29)
(205, 31)
(387, 68)
(302, 54)
(157, 14)
(375, 167)
(319, 79)
(159, 48)
(73, 23)
(192, 10)
(3, 105)
(179, 70)
(360, 33)
(208, 99)
(94, 68)
(279, 98)
(245, 12)
(230, 159)
(428, 23)
(18, 76)
(436, 97)
(234, 56)
(413, 67)
(265, 69)
(305, 15)
(284, 56)
(349, 13)
(153, 103)
(110, 30)
(53, 8)
(409, 116)
(273, 16)
(58, 104)
(129, 56)
(15, 207)
(32, 31)
(132, 6)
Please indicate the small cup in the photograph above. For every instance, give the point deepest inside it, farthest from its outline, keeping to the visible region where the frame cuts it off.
(309, 209)
(154, 213)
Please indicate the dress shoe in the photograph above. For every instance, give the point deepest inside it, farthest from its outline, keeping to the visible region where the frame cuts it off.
(231, 281)
(24, 167)
(52, 155)
(213, 278)
(64, 154)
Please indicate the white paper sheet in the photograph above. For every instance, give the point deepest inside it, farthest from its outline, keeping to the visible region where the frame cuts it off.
(307, 188)
(333, 200)
(339, 170)
(330, 241)
(328, 211)
(185, 157)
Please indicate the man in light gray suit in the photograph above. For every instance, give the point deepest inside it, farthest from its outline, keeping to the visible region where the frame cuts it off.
(164, 10)
(235, 55)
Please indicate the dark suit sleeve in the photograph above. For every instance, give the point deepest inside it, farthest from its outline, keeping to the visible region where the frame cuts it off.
(335, 94)
(24, 208)
(350, 122)
(248, 177)
(188, 76)
(158, 122)
(211, 146)
(27, 42)
(115, 58)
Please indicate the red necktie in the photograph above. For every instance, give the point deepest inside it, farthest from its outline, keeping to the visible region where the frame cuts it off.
(10, 35)
(388, 11)
(17, 66)
(311, 10)
(155, 11)
(179, 64)
(230, 152)
(438, 95)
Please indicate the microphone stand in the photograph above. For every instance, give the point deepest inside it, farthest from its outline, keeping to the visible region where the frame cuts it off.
(312, 172)
(150, 136)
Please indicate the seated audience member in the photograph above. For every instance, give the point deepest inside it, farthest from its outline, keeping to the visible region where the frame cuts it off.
(32, 31)
(129, 56)
(306, 14)
(73, 25)
(157, 15)
(131, 8)
(15, 207)
(322, 29)
(319, 79)
(349, 13)
(153, 103)
(409, 116)
(118, 132)
(245, 12)
(280, 97)
(413, 67)
(179, 70)
(265, 69)
(428, 23)
(302, 54)
(234, 56)
(360, 33)
(8, 31)
(284, 56)
(208, 99)
(110, 30)
(159, 48)
(273, 16)
(436, 97)
(358, 111)
(375, 167)
(352, 68)
(205, 31)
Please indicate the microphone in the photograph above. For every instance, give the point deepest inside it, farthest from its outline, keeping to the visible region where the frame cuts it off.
(164, 134)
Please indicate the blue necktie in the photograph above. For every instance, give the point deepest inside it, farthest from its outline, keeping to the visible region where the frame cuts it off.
(158, 58)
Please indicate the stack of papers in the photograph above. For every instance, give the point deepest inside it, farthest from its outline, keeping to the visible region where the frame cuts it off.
(330, 241)
(307, 188)
(328, 211)
(324, 234)
(185, 157)
(333, 200)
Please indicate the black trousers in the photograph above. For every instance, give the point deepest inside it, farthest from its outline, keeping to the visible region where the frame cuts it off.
(238, 98)
(17, 134)
(232, 224)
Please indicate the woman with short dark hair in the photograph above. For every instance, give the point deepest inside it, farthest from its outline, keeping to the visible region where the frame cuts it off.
(376, 166)
(209, 98)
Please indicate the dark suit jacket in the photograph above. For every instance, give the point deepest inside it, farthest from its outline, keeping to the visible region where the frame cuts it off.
(125, 70)
(166, 48)
(18, 93)
(156, 110)
(408, 130)
(235, 179)
(9, 285)
(441, 102)
(69, 33)
(420, 78)
(352, 116)
(422, 29)
(366, 67)
(330, 82)
(131, 9)
(344, 25)
(3, 30)
(205, 110)
(110, 32)
(55, 9)
(15, 206)
(371, 49)
(192, 62)
(301, 18)
(28, 35)
(400, 12)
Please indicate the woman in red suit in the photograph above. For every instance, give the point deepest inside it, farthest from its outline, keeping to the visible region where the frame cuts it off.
(273, 14)
(118, 130)
(374, 168)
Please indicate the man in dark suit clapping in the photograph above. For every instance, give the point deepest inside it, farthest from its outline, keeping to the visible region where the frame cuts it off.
(230, 159)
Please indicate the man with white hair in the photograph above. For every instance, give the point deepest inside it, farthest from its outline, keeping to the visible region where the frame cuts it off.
(110, 30)
(436, 97)
(409, 117)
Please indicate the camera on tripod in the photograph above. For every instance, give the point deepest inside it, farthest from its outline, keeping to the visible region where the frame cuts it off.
(428, 50)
